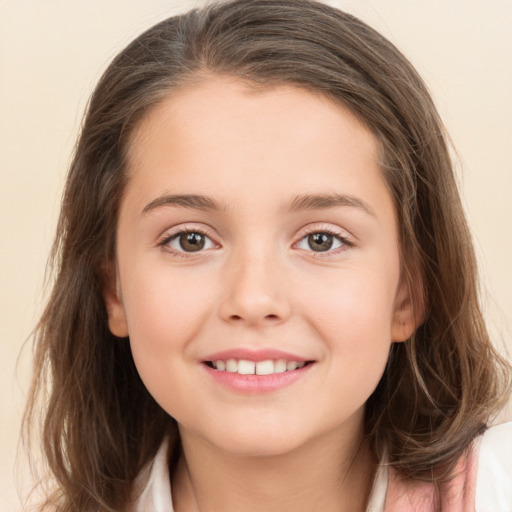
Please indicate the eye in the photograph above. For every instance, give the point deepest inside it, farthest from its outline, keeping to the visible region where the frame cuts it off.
(188, 241)
(322, 241)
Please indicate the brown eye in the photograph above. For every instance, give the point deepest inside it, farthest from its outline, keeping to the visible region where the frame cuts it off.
(188, 241)
(192, 242)
(320, 242)
(323, 241)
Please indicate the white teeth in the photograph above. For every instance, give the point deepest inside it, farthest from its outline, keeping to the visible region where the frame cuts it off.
(231, 365)
(246, 367)
(280, 366)
(265, 367)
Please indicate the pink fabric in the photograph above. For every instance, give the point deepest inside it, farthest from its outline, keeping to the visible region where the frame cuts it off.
(455, 495)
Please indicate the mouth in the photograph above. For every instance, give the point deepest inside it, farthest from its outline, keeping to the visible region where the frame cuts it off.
(256, 371)
(249, 367)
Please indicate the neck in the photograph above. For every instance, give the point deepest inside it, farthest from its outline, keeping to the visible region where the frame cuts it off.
(328, 474)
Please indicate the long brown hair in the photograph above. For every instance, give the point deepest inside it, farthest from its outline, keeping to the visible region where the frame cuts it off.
(100, 424)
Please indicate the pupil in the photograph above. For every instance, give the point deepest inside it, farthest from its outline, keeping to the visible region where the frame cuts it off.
(320, 242)
(192, 242)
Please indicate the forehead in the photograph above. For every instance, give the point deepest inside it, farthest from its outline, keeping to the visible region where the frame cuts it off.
(215, 109)
(223, 136)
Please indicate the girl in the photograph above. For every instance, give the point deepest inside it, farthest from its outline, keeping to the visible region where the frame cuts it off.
(265, 293)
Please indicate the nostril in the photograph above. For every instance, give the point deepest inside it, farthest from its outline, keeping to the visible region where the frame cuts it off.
(267, 317)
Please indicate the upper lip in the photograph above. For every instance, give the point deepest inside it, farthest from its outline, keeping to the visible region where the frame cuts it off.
(254, 355)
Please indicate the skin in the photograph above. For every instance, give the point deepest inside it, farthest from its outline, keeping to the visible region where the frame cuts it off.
(258, 283)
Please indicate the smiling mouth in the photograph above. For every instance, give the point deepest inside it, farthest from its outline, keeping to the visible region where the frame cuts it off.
(247, 367)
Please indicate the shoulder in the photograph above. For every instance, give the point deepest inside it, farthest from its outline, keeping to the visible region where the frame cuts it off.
(482, 481)
(494, 473)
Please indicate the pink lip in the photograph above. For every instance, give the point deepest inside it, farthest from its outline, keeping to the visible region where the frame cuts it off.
(254, 355)
(256, 384)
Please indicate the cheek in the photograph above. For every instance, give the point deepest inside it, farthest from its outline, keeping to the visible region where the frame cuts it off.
(352, 304)
(353, 315)
(164, 314)
(163, 305)
(162, 322)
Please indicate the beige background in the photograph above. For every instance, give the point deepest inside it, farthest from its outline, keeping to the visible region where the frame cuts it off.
(51, 54)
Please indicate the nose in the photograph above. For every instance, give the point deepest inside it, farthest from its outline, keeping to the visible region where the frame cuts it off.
(255, 292)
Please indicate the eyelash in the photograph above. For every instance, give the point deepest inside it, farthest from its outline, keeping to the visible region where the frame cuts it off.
(308, 231)
(346, 243)
(169, 238)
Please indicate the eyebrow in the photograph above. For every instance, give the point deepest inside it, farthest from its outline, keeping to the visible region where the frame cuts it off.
(192, 201)
(302, 202)
(325, 201)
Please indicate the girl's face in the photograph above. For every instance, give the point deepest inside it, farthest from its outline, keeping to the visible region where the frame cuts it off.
(256, 230)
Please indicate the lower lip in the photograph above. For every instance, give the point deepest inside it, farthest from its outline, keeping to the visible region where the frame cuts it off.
(257, 384)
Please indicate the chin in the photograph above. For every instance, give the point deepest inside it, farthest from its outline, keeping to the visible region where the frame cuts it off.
(261, 445)
(253, 439)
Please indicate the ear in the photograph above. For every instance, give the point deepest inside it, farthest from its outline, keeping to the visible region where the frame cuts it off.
(117, 322)
(409, 309)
